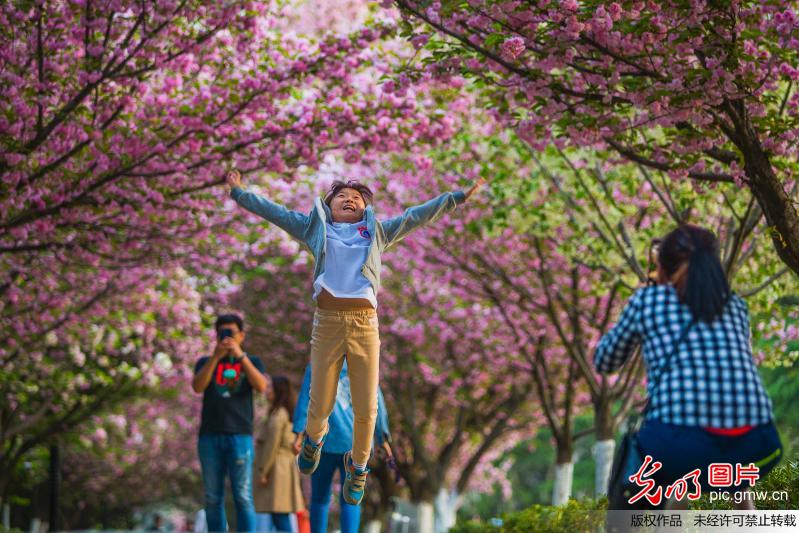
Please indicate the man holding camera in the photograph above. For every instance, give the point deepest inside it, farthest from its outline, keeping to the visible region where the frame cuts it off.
(227, 380)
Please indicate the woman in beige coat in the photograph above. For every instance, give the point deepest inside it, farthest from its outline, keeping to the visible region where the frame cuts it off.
(278, 488)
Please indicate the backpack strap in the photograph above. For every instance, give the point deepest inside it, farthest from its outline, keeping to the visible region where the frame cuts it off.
(683, 334)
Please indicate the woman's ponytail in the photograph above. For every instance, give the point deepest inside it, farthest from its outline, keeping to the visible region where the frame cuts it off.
(704, 288)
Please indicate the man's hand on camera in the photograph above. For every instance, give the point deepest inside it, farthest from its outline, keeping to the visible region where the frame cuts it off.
(232, 347)
(220, 351)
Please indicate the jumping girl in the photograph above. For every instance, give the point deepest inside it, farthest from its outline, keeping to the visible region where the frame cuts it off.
(347, 242)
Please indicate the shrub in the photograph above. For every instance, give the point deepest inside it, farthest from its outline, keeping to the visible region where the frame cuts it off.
(783, 478)
(588, 515)
(583, 515)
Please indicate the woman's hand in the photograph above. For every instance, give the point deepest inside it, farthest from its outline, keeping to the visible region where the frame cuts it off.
(264, 480)
(387, 450)
(478, 184)
(233, 179)
(297, 445)
(391, 461)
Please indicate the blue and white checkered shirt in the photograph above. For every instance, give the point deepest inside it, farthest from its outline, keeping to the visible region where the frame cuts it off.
(711, 381)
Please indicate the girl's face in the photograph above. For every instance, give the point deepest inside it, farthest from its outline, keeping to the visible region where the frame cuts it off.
(270, 391)
(347, 206)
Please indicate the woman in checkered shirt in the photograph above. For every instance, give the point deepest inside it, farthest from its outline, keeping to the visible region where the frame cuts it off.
(706, 401)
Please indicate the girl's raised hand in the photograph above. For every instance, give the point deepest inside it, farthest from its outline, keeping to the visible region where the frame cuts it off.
(478, 184)
(233, 179)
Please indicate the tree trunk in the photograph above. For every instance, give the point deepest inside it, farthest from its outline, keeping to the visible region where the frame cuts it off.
(604, 430)
(603, 461)
(6, 474)
(562, 490)
(564, 469)
(425, 514)
(55, 487)
(780, 209)
(446, 503)
(373, 526)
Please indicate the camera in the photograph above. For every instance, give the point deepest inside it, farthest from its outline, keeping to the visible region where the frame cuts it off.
(224, 333)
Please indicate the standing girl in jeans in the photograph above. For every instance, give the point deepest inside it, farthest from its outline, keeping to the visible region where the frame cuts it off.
(707, 404)
(347, 242)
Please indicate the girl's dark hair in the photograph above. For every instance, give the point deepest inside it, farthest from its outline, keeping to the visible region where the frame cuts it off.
(285, 396)
(365, 191)
(704, 289)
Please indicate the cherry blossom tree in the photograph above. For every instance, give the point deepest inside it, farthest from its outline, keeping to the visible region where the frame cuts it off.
(119, 122)
(117, 245)
(703, 91)
(116, 352)
(112, 470)
(110, 165)
(580, 242)
(567, 241)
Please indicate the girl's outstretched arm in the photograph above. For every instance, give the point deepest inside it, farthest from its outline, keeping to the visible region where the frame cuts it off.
(398, 227)
(294, 223)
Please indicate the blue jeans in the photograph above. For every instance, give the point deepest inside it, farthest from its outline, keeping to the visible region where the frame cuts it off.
(321, 491)
(282, 522)
(222, 453)
(264, 523)
(681, 449)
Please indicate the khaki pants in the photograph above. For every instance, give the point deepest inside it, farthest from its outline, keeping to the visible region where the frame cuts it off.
(354, 335)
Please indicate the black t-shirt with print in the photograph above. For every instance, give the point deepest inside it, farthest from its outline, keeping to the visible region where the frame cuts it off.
(227, 401)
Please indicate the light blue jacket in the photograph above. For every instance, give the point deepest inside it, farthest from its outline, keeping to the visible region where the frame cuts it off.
(339, 439)
(311, 229)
